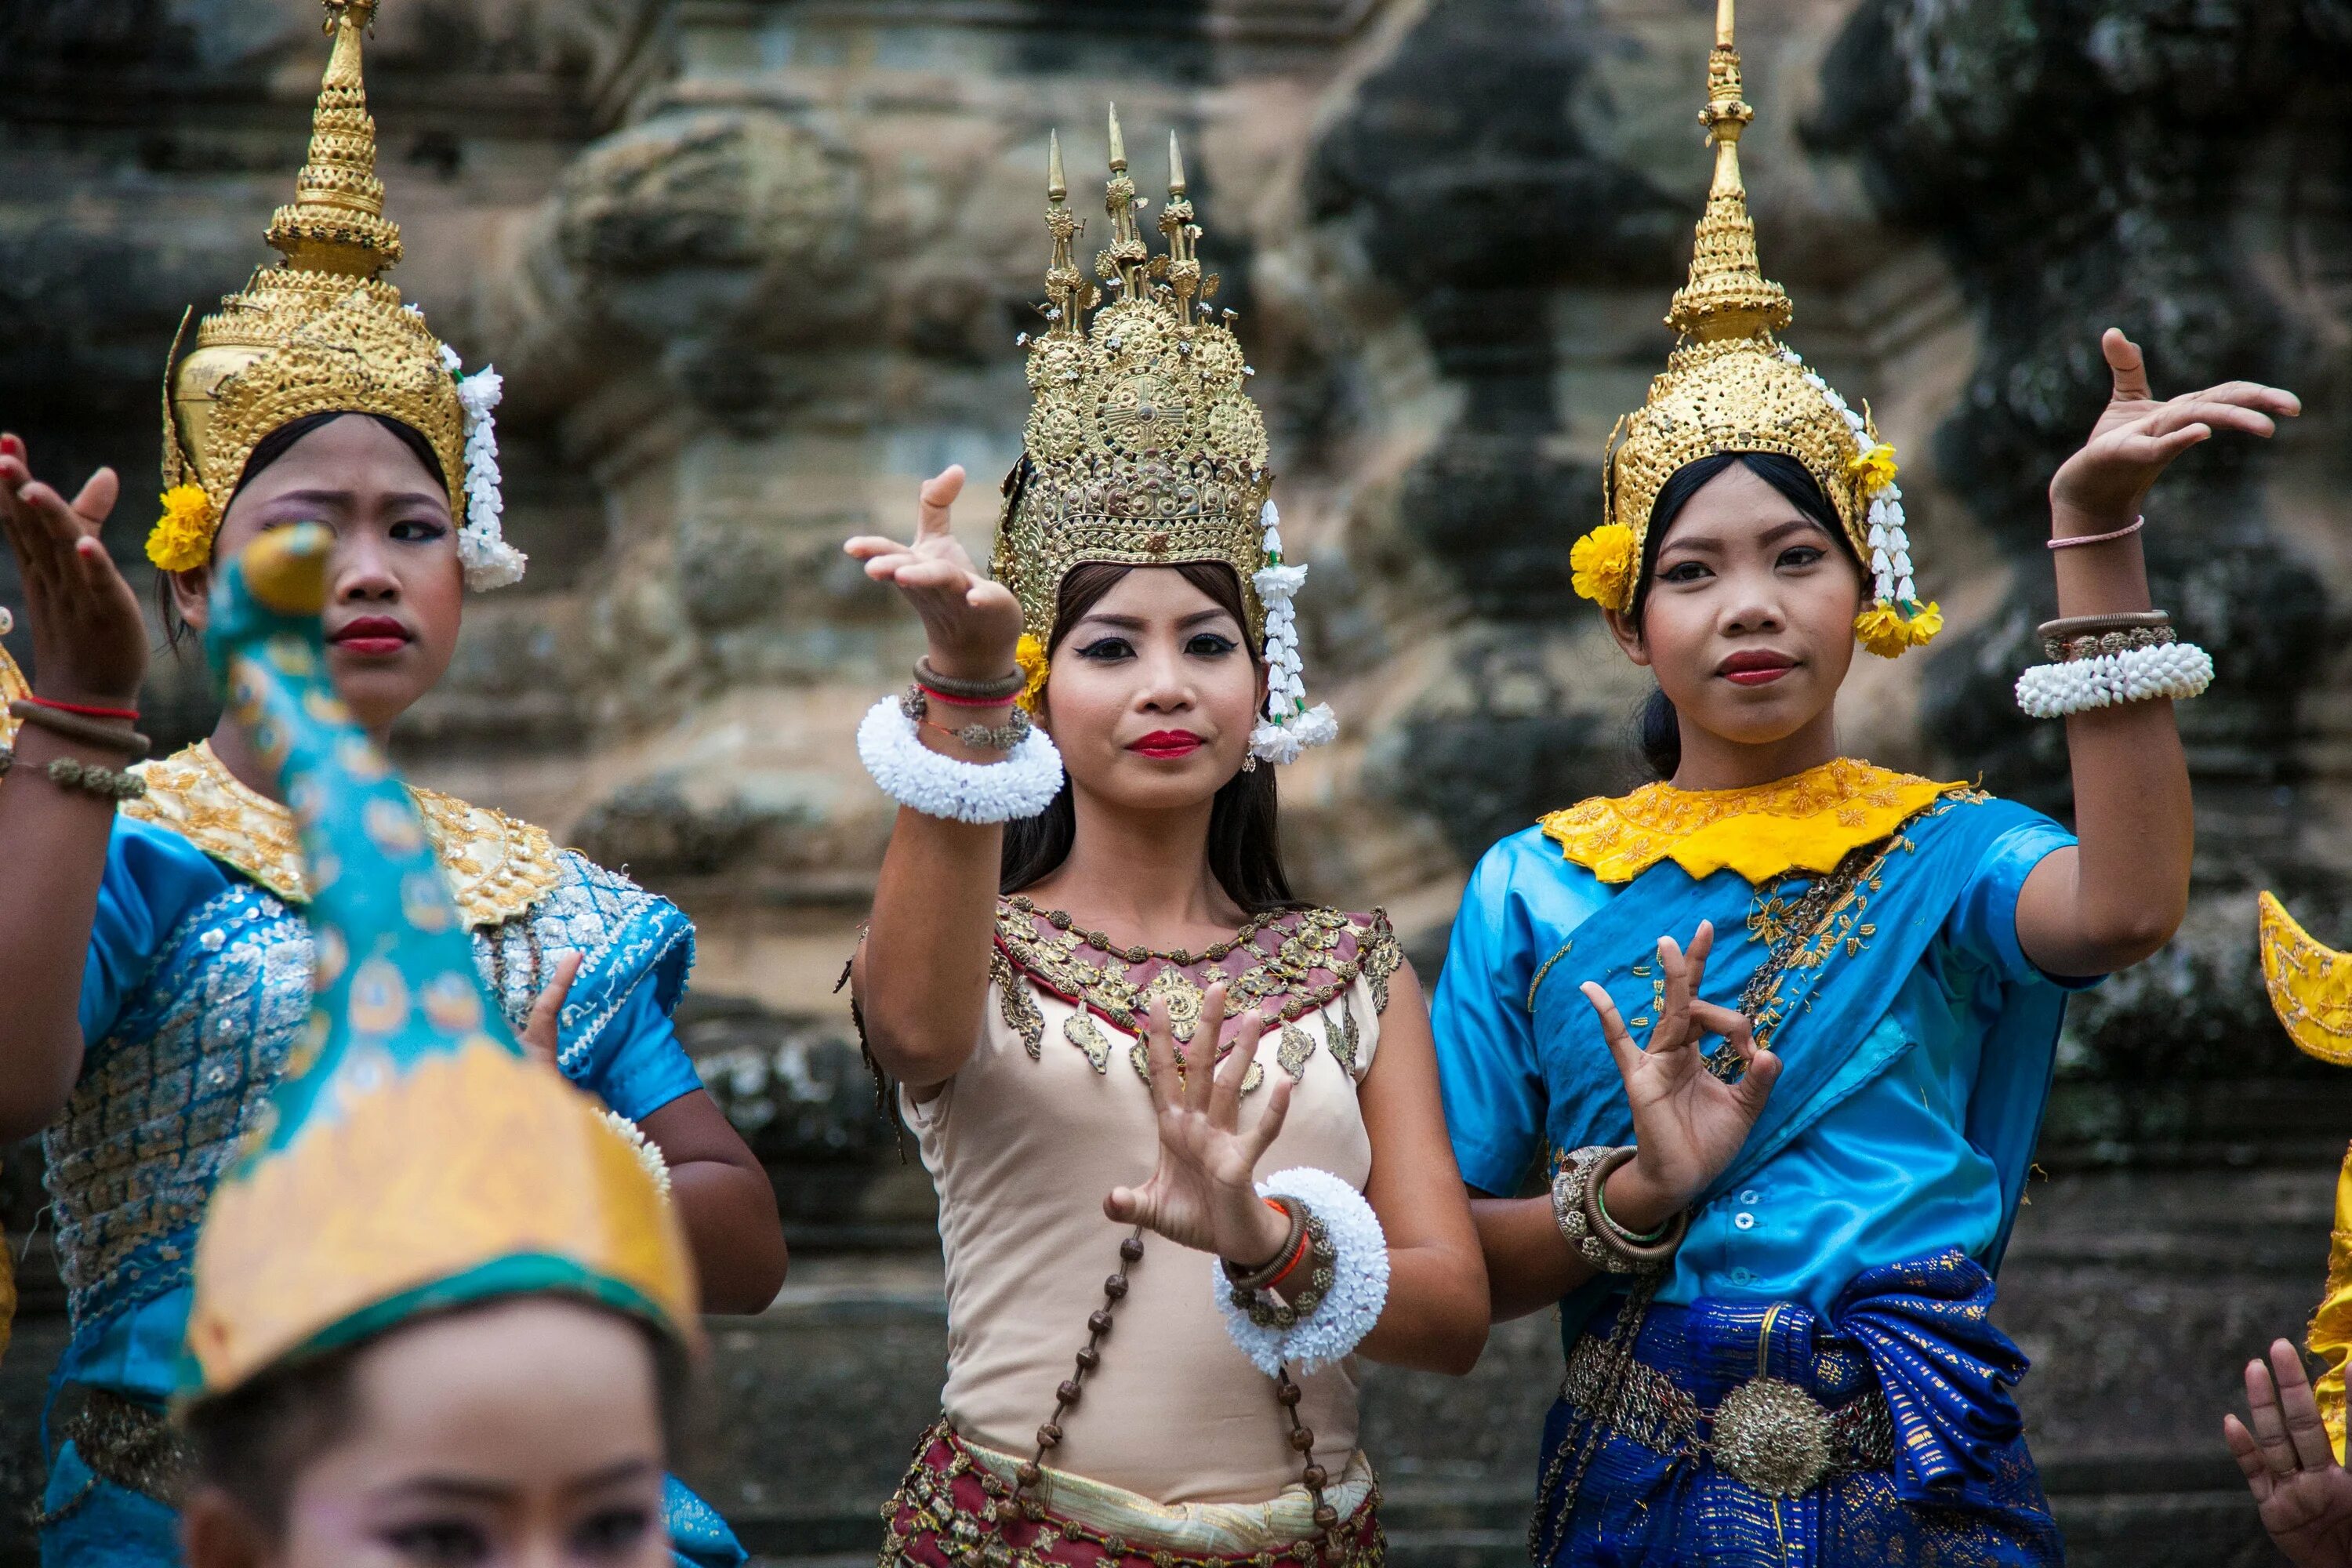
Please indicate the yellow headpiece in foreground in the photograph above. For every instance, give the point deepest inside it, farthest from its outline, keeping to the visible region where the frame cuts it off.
(413, 1159)
(1732, 387)
(1143, 448)
(323, 332)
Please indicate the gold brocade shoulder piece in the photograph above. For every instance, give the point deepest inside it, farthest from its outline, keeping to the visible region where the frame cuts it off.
(497, 866)
(1805, 823)
(2310, 986)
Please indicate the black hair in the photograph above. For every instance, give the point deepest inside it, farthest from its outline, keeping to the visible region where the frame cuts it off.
(254, 1442)
(268, 450)
(1244, 840)
(1658, 729)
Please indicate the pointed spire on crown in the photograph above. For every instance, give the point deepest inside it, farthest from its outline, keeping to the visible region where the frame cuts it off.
(1067, 293)
(336, 222)
(1122, 262)
(1728, 295)
(1182, 234)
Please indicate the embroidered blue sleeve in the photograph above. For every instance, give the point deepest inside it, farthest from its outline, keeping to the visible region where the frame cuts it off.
(644, 1066)
(153, 879)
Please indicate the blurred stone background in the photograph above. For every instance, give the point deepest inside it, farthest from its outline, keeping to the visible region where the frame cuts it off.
(753, 268)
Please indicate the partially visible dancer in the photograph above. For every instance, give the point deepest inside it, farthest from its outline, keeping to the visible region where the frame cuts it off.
(1776, 1303)
(438, 1298)
(2299, 1483)
(1184, 1127)
(159, 967)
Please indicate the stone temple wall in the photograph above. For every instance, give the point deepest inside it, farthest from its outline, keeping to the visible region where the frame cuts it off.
(752, 269)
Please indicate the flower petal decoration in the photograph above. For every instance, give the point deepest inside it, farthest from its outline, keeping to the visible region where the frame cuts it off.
(1884, 630)
(1874, 466)
(1601, 567)
(181, 539)
(1029, 653)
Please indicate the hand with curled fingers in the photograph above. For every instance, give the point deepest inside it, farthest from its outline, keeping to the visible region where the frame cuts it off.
(541, 1031)
(972, 622)
(89, 640)
(2137, 434)
(2304, 1495)
(1204, 1192)
(1688, 1124)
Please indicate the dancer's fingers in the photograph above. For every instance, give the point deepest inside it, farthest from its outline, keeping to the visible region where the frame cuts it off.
(1225, 1090)
(938, 494)
(97, 498)
(2249, 1455)
(1160, 1056)
(1269, 1124)
(2269, 1427)
(1612, 1028)
(2299, 1408)
(2127, 364)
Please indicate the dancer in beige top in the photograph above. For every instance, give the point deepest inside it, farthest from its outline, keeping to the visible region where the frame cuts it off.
(1185, 1129)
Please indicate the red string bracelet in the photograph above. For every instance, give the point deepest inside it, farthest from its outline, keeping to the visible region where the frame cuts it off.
(1305, 1238)
(87, 710)
(937, 696)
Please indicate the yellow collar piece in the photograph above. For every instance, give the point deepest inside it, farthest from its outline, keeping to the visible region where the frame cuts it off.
(497, 866)
(2310, 986)
(1805, 823)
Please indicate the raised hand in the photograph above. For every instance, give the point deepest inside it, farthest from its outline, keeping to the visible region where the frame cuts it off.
(972, 623)
(2303, 1496)
(2137, 437)
(89, 641)
(1204, 1194)
(1688, 1124)
(539, 1031)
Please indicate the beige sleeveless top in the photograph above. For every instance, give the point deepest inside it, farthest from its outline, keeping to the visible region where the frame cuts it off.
(1052, 1112)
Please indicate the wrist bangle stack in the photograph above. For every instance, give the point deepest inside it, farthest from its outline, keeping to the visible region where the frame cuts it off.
(1268, 1310)
(917, 705)
(1287, 1258)
(1583, 1219)
(973, 693)
(1342, 1244)
(2101, 661)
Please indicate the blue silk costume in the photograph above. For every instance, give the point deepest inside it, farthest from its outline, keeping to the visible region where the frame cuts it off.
(1848, 1248)
(197, 982)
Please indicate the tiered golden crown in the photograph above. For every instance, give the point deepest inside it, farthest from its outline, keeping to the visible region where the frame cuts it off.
(320, 331)
(1731, 386)
(1143, 447)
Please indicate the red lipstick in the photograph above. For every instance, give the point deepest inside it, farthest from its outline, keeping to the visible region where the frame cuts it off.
(372, 636)
(1755, 667)
(1166, 745)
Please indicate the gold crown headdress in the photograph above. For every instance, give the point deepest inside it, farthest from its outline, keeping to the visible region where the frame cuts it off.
(1732, 387)
(1143, 447)
(413, 1159)
(323, 332)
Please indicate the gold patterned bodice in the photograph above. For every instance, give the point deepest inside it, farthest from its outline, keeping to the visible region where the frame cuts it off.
(497, 866)
(1805, 823)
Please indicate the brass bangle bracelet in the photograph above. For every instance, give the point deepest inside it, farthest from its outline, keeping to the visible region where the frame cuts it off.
(2067, 626)
(1264, 1275)
(89, 731)
(1002, 688)
(1613, 1239)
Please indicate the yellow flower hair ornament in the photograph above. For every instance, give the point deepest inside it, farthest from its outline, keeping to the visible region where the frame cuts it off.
(181, 539)
(1601, 567)
(1885, 631)
(1029, 653)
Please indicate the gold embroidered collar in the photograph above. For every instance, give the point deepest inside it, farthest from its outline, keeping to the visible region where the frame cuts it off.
(497, 866)
(1804, 823)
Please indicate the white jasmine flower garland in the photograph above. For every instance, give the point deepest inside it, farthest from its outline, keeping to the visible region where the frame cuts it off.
(1359, 1278)
(482, 547)
(1289, 726)
(936, 784)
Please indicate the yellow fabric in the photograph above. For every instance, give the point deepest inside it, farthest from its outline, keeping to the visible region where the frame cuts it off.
(2310, 986)
(1805, 823)
(497, 866)
(2330, 1337)
(465, 1159)
(13, 687)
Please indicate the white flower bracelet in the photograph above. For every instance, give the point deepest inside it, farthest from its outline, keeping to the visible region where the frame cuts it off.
(1350, 1304)
(2178, 670)
(936, 784)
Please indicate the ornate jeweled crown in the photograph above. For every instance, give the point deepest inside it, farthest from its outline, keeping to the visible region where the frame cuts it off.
(1143, 447)
(413, 1159)
(1732, 387)
(323, 332)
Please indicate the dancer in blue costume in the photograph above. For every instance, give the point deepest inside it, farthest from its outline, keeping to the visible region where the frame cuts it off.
(160, 966)
(1774, 1260)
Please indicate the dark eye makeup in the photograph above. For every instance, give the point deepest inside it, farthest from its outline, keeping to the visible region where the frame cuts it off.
(439, 1542)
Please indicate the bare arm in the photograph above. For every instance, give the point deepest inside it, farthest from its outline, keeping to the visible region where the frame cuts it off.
(89, 646)
(1436, 1314)
(920, 978)
(1688, 1126)
(2120, 895)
